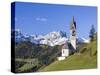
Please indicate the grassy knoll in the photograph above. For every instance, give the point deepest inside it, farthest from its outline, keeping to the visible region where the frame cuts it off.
(85, 59)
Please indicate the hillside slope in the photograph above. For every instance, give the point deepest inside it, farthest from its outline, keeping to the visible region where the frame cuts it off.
(85, 59)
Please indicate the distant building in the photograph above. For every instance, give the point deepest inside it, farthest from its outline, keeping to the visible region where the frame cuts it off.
(69, 46)
(65, 50)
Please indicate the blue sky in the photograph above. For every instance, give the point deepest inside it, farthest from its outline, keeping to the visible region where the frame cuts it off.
(35, 18)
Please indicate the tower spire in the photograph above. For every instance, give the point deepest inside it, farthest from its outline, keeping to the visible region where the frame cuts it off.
(73, 33)
(73, 23)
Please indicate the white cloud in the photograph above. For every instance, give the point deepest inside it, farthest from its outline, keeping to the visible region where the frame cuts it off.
(42, 19)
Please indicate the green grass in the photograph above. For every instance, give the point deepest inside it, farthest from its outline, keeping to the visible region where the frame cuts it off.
(74, 62)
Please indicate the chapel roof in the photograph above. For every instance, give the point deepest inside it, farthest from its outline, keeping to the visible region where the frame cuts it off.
(65, 46)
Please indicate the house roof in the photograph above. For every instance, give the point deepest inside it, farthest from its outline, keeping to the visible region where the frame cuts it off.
(65, 46)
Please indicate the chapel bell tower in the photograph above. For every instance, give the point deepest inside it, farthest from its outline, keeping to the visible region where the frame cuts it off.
(73, 33)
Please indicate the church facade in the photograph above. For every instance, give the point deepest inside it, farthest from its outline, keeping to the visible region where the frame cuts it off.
(69, 46)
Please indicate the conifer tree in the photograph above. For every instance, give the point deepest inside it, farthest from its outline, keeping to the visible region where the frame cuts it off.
(92, 33)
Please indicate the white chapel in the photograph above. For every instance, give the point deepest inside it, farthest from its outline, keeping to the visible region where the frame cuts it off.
(69, 46)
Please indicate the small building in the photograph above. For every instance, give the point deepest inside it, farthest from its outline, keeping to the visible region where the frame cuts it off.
(69, 46)
(65, 50)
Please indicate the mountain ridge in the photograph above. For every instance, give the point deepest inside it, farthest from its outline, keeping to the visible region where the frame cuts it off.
(52, 38)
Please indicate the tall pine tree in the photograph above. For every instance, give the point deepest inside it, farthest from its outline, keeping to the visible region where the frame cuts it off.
(92, 33)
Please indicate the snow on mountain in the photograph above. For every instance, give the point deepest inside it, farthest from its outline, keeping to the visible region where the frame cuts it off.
(61, 41)
(86, 40)
(51, 39)
(82, 40)
(53, 35)
(18, 35)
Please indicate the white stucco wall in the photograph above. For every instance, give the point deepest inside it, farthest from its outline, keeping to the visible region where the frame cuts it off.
(61, 58)
(65, 52)
(73, 42)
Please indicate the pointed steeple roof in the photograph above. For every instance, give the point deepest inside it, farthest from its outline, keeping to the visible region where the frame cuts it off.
(73, 23)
